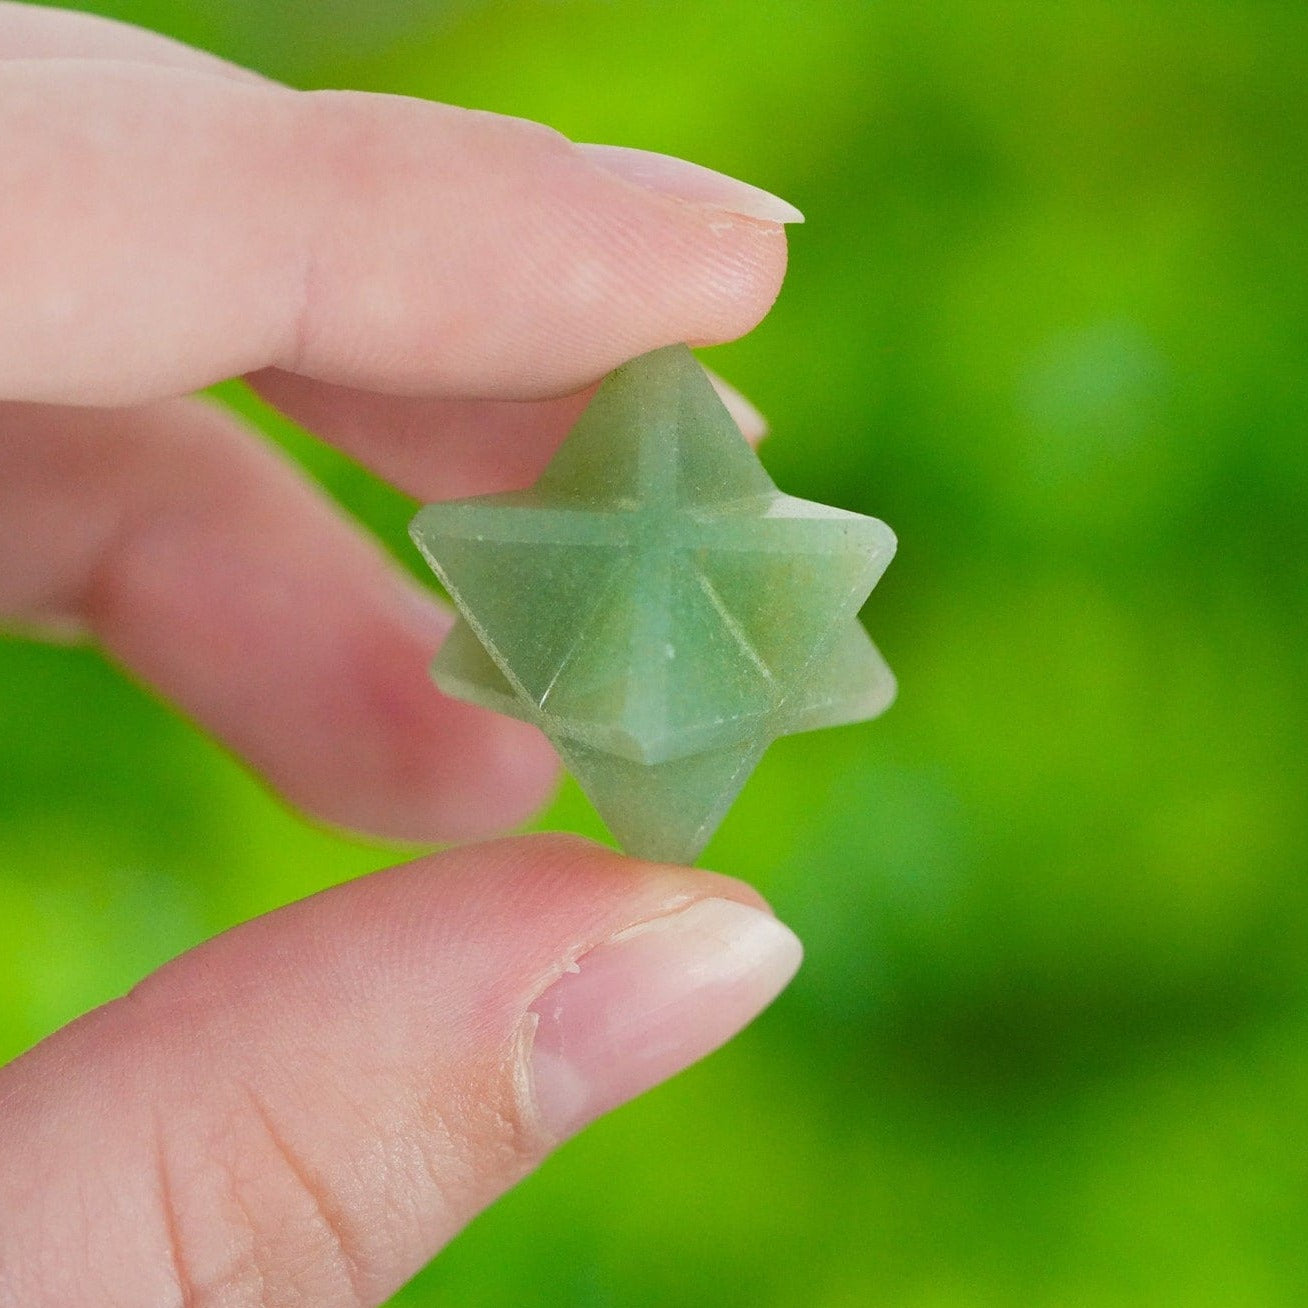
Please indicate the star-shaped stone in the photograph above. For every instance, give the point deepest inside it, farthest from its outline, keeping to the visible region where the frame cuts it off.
(658, 608)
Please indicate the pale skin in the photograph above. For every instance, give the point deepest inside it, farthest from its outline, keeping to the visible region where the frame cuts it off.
(305, 1109)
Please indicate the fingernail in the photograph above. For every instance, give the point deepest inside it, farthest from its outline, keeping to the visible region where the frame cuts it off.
(652, 1000)
(689, 181)
(753, 425)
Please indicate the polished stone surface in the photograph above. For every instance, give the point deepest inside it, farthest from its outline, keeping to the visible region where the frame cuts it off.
(658, 608)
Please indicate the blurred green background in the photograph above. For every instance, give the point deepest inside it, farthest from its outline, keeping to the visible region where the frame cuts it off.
(1049, 319)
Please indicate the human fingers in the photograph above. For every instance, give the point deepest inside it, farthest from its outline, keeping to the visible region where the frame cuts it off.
(214, 571)
(306, 1108)
(483, 445)
(163, 229)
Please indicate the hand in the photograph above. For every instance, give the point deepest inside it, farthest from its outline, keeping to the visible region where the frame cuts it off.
(304, 1109)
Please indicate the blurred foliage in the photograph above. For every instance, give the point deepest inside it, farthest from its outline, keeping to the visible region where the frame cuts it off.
(1048, 318)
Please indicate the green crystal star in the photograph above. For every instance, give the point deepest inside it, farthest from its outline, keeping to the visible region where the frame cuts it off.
(658, 608)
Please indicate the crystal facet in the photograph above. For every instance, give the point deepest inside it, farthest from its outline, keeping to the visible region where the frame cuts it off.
(658, 608)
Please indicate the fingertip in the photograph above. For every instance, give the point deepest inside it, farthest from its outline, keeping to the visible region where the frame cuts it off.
(649, 1001)
(504, 775)
(424, 767)
(465, 772)
(554, 270)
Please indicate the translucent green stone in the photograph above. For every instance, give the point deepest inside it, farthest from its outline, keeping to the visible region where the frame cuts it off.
(658, 608)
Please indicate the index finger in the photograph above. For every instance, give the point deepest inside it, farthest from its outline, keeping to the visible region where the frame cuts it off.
(163, 229)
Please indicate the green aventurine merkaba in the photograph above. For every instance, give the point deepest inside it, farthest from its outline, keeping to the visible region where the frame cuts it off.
(658, 608)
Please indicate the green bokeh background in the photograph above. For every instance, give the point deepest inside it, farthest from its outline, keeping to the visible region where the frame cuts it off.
(1049, 319)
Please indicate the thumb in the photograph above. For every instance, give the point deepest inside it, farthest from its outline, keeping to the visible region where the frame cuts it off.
(305, 1109)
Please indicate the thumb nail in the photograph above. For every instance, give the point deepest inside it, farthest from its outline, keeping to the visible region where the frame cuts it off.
(652, 1000)
(690, 181)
